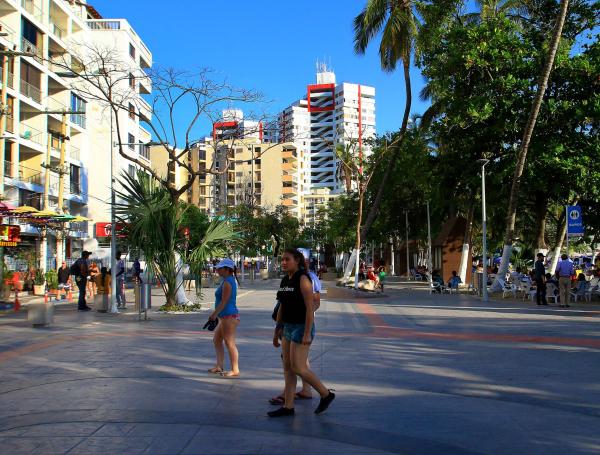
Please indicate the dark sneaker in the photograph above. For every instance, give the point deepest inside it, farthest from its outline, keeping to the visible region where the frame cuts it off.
(325, 402)
(87, 308)
(281, 412)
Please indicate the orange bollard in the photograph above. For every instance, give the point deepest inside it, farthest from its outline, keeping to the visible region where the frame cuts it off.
(17, 303)
(46, 297)
(70, 295)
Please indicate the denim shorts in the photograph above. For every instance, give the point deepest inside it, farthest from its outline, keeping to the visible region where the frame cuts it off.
(295, 332)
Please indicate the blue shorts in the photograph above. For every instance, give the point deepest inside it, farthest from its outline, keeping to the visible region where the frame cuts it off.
(295, 332)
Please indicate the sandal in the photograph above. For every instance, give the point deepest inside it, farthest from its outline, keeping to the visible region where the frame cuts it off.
(215, 370)
(277, 401)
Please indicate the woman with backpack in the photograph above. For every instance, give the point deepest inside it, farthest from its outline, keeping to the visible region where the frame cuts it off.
(295, 327)
(227, 313)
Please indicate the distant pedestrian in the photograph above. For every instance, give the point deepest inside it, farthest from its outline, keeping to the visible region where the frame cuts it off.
(381, 276)
(81, 271)
(564, 272)
(137, 270)
(64, 281)
(227, 313)
(120, 277)
(295, 328)
(540, 280)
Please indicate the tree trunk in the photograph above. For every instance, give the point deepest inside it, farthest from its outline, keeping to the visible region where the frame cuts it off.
(466, 247)
(361, 197)
(541, 211)
(522, 156)
(374, 210)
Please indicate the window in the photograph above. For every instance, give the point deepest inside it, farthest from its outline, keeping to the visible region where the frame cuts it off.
(202, 155)
(78, 105)
(131, 141)
(131, 111)
(75, 179)
(145, 152)
(131, 170)
(131, 81)
(131, 51)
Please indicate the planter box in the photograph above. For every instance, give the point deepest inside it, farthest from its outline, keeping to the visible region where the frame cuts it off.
(40, 314)
(39, 289)
(264, 274)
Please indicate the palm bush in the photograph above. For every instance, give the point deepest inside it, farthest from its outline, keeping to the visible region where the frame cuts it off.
(153, 224)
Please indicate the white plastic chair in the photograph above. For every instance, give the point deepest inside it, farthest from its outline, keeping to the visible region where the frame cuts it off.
(551, 292)
(582, 292)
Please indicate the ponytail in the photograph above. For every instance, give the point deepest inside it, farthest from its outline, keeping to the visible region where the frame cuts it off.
(235, 275)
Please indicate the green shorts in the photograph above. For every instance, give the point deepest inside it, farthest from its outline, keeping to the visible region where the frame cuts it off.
(295, 332)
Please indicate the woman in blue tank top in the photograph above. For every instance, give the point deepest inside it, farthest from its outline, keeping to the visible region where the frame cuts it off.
(227, 312)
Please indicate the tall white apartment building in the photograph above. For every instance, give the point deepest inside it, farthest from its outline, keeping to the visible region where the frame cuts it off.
(329, 115)
(37, 91)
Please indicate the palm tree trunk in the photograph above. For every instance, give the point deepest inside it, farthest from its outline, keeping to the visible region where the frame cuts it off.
(522, 157)
(541, 212)
(466, 247)
(374, 210)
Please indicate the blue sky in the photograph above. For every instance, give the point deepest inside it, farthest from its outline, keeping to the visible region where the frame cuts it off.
(267, 45)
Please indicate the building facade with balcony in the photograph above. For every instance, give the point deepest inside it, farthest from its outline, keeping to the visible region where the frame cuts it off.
(42, 105)
(329, 115)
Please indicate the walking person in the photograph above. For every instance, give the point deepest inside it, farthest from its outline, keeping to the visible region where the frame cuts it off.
(120, 277)
(295, 319)
(81, 271)
(305, 393)
(91, 285)
(227, 313)
(564, 272)
(64, 281)
(540, 280)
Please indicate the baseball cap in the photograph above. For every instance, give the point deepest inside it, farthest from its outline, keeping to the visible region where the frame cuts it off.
(226, 263)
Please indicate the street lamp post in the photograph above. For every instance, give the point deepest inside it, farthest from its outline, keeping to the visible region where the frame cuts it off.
(429, 259)
(484, 293)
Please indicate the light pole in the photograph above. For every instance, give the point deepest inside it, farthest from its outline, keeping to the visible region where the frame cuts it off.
(429, 259)
(484, 293)
(407, 249)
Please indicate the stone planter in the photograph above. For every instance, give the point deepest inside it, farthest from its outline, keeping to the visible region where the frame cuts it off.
(40, 314)
(264, 274)
(39, 289)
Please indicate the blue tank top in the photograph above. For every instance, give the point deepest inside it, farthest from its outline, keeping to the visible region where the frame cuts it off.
(230, 306)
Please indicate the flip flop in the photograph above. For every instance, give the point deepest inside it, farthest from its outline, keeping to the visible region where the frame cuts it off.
(215, 370)
(299, 396)
(277, 401)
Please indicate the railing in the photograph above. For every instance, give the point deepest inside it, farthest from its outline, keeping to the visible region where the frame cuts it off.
(11, 78)
(75, 188)
(33, 9)
(31, 91)
(7, 169)
(104, 25)
(31, 134)
(29, 47)
(74, 153)
(55, 104)
(10, 33)
(57, 30)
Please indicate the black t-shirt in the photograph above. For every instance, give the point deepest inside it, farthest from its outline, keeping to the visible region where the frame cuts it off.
(63, 275)
(293, 308)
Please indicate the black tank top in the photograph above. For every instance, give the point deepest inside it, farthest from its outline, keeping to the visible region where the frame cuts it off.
(293, 308)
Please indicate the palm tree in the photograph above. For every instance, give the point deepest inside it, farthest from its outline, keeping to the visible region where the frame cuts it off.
(154, 225)
(396, 21)
(527, 134)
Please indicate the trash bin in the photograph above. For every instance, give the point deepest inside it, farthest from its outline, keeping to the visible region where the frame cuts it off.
(145, 297)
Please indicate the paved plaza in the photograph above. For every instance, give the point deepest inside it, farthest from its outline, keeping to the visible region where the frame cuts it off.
(413, 373)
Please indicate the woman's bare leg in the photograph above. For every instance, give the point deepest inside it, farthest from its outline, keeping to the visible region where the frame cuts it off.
(289, 375)
(229, 327)
(306, 388)
(298, 358)
(219, 350)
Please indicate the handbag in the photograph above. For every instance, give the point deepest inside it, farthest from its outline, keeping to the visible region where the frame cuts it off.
(276, 310)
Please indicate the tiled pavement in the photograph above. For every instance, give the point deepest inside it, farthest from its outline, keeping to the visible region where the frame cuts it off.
(414, 373)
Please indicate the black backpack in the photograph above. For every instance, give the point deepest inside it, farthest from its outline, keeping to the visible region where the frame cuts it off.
(75, 268)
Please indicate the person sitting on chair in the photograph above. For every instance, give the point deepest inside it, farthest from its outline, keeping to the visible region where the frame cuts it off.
(454, 280)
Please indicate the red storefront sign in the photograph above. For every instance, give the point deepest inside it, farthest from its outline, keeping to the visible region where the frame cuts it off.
(9, 235)
(105, 230)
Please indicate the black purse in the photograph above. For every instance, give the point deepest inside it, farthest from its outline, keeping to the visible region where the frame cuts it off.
(276, 310)
(211, 324)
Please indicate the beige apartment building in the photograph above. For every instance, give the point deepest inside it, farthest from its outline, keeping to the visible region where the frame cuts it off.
(259, 173)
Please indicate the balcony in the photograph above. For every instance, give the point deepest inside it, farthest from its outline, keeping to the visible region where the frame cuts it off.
(33, 9)
(32, 134)
(31, 91)
(24, 174)
(55, 103)
(10, 34)
(72, 152)
(57, 31)
(29, 47)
